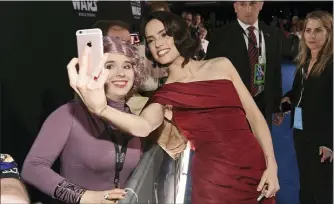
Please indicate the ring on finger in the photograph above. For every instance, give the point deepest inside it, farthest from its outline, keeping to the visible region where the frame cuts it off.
(106, 196)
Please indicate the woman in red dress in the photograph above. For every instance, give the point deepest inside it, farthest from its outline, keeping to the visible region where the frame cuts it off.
(234, 161)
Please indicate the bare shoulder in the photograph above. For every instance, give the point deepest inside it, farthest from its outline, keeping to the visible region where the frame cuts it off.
(221, 61)
(221, 66)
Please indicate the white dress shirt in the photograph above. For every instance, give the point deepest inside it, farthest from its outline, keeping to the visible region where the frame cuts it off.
(256, 32)
(205, 44)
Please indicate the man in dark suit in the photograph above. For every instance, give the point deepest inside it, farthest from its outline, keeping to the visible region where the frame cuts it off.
(255, 49)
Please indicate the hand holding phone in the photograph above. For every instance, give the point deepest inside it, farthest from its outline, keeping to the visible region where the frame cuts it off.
(94, 39)
(263, 193)
(285, 107)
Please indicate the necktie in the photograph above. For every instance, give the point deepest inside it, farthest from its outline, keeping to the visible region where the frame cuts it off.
(253, 57)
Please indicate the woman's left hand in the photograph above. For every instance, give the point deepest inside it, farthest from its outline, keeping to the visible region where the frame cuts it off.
(269, 178)
(278, 118)
(326, 154)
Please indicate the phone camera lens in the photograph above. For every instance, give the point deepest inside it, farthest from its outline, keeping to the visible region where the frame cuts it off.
(80, 32)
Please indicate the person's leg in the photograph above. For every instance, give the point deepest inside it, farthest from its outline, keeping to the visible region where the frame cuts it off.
(323, 179)
(302, 154)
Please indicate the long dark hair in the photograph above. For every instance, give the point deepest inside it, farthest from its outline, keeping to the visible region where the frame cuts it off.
(175, 27)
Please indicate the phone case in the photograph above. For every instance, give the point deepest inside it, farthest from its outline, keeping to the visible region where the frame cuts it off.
(94, 39)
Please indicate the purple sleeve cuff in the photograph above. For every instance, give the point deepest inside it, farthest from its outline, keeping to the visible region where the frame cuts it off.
(68, 192)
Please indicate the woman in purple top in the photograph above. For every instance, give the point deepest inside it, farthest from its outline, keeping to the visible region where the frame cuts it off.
(86, 144)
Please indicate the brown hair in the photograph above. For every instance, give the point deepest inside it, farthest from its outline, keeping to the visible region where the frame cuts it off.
(115, 45)
(105, 25)
(326, 52)
(159, 6)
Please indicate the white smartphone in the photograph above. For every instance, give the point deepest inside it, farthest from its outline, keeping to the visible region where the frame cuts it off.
(94, 39)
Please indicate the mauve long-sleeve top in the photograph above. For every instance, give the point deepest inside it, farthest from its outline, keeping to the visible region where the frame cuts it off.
(87, 160)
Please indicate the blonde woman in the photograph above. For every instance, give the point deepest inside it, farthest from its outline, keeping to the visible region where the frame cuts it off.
(312, 109)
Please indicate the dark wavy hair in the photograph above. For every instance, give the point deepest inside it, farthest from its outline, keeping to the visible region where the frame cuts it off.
(175, 27)
(115, 45)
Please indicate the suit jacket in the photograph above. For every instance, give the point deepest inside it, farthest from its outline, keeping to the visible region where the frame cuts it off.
(229, 42)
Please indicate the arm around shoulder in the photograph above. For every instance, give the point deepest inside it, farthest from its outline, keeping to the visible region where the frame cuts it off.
(140, 126)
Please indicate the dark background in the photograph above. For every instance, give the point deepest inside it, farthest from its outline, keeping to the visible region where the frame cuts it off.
(224, 10)
(37, 42)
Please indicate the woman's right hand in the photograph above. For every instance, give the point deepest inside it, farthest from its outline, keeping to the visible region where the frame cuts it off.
(89, 88)
(103, 197)
(285, 99)
(279, 117)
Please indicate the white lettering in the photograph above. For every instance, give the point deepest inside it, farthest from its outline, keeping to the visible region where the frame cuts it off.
(83, 6)
(122, 157)
(136, 11)
(76, 5)
(13, 171)
(92, 6)
(91, 15)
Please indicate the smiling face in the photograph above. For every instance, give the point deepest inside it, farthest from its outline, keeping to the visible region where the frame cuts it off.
(161, 45)
(121, 76)
(315, 34)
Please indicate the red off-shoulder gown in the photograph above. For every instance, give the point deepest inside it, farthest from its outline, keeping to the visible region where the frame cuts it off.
(228, 161)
